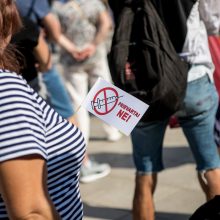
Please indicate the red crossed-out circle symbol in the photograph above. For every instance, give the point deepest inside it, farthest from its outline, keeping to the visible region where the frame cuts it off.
(105, 100)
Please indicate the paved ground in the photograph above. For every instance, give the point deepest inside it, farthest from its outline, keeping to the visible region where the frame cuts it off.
(178, 193)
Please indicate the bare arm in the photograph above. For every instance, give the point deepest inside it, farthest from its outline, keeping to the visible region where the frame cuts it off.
(105, 24)
(24, 190)
(42, 54)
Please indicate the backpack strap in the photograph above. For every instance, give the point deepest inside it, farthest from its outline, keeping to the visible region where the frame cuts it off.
(121, 45)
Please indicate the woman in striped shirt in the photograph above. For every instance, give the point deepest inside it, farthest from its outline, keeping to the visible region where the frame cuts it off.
(40, 152)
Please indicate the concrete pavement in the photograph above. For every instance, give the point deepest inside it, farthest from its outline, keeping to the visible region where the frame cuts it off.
(178, 193)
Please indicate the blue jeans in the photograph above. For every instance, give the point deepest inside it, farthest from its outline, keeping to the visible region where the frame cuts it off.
(58, 96)
(196, 117)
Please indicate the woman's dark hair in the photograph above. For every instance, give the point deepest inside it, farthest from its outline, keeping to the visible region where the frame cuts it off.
(10, 23)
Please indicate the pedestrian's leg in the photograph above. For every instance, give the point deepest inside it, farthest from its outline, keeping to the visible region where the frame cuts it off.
(147, 139)
(210, 183)
(100, 68)
(59, 97)
(198, 126)
(143, 205)
(77, 85)
(203, 184)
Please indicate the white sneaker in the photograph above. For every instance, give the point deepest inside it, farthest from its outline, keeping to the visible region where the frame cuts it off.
(114, 136)
(112, 133)
(93, 171)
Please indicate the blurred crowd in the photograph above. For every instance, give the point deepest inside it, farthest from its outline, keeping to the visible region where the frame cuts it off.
(77, 35)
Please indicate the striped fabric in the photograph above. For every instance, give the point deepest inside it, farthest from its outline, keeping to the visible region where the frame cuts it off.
(29, 126)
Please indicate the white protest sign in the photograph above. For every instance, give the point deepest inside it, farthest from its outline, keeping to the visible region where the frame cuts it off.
(114, 106)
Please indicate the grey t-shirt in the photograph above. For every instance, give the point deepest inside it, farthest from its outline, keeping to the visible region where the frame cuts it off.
(79, 20)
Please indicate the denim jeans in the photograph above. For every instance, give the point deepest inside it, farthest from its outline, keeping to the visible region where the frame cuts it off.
(58, 96)
(196, 117)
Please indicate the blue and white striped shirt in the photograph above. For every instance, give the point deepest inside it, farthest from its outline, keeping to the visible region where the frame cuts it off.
(29, 126)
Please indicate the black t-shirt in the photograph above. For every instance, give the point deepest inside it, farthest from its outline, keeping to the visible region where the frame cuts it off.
(26, 40)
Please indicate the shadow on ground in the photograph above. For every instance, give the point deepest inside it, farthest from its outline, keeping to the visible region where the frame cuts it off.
(171, 216)
(125, 214)
(173, 157)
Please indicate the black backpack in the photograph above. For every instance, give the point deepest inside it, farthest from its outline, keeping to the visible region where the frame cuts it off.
(160, 75)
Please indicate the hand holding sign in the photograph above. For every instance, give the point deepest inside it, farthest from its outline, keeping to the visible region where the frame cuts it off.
(114, 106)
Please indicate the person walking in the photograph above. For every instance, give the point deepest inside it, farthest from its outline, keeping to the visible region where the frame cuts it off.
(185, 22)
(86, 24)
(39, 12)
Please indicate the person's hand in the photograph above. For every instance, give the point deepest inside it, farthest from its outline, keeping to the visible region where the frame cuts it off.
(129, 72)
(88, 51)
(83, 54)
(43, 68)
(76, 54)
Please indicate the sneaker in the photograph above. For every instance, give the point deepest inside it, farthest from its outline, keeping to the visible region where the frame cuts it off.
(114, 136)
(93, 171)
